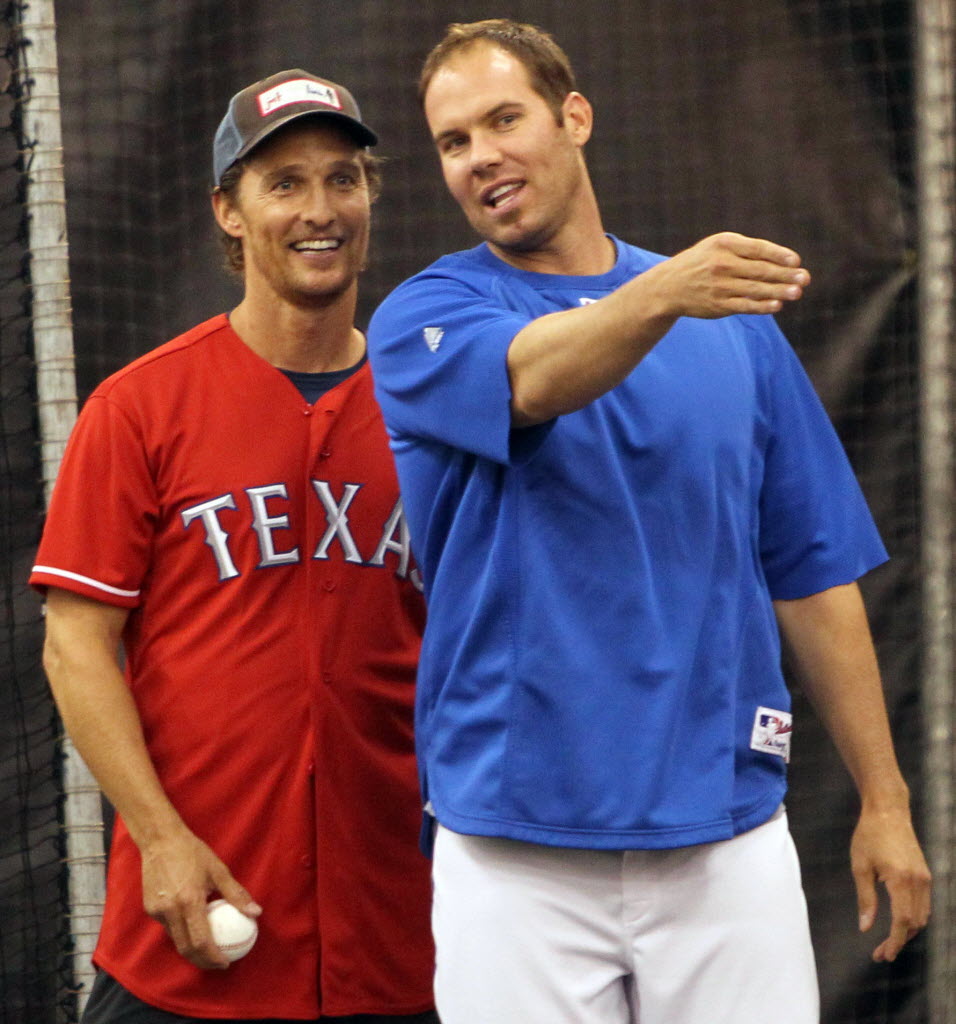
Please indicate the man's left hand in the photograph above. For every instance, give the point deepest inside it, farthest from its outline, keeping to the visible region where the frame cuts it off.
(885, 850)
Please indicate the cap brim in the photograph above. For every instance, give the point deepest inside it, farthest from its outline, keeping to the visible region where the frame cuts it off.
(362, 134)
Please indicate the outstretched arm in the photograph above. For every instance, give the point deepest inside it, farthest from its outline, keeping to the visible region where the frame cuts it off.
(179, 870)
(829, 640)
(562, 361)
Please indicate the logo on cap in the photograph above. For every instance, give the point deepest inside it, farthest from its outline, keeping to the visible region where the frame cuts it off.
(299, 90)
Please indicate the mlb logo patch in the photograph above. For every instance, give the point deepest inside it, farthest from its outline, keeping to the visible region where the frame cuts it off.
(771, 732)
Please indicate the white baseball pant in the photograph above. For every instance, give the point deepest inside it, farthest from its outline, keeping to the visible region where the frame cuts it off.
(709, 934)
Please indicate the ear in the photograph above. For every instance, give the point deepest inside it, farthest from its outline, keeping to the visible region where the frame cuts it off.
(226, 211)
(578, 117)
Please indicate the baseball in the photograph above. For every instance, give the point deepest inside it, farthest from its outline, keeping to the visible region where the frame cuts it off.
(232, 931)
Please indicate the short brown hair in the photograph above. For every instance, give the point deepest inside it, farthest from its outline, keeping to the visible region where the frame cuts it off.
(232, 247)
(547, 64)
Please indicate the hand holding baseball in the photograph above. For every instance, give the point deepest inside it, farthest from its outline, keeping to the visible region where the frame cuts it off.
(179, 873)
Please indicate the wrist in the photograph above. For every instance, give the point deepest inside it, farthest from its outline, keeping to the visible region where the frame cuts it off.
(657, 304)
(885, 798)
(155, 828)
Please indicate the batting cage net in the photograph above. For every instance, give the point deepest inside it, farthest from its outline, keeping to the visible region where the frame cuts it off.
(794, 120)
(35, 975)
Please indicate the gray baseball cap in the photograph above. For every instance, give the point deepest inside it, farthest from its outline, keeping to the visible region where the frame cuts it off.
(263, 107)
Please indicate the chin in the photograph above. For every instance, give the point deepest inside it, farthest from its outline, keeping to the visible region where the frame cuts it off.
(517, 241)
(328, 288)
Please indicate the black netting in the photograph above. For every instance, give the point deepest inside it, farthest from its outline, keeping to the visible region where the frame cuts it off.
(33, 940)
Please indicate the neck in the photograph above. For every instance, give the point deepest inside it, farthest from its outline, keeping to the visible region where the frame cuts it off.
(310, 339)
(598, 256)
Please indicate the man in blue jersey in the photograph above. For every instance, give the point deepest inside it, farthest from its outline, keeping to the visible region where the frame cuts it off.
(621, 489)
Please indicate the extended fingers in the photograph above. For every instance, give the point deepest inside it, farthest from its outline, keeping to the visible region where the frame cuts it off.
(761, 287)
(909, 892)
(888, 950)
(750, 275)
(726, 274)
(770, 265)
(757, 249)
(866, 896)
(891, 857)
(755, 287)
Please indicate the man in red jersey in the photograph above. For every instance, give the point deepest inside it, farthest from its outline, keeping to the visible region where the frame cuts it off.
(228, 514)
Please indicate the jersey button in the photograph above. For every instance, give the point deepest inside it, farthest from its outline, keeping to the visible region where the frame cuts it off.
(306, 861)
(325, 453)
(306, 412)
(328, 585)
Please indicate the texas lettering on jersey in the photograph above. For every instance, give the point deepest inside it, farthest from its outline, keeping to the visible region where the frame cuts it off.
(268, 504)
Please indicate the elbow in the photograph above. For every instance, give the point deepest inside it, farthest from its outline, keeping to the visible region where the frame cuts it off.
(534, 402)
(527, 415)
(532, 388)
(54, 662)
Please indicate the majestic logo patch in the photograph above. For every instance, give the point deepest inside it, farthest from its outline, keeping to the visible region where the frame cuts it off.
(586, 302)
(433, 337)
(299, 90)
(771, 733)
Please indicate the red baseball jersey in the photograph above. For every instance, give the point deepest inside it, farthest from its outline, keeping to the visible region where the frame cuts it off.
(275, 618)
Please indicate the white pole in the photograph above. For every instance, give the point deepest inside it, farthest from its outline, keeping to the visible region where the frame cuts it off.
(56, 393)
(936, 161)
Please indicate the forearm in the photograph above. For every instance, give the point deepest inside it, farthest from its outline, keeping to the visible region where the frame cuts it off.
(562, 361)
(829, 641)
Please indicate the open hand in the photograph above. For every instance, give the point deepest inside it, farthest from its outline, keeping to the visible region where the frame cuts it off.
(729, 273)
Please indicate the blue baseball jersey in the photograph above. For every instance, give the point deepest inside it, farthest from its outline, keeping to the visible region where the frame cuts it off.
(601, 665)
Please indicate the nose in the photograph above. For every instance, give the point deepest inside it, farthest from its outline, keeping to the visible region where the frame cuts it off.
(318, 208)
(485, 152)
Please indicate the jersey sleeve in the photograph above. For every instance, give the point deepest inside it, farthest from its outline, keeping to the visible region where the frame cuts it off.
(816, 530)
(438, 348)
(99, 527)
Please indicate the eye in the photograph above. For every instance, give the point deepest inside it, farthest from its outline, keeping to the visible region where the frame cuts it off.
(346, 179)
(507, 120)
(453, 143)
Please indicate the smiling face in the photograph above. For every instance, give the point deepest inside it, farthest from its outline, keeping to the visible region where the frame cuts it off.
(302, 210)
(517, 173)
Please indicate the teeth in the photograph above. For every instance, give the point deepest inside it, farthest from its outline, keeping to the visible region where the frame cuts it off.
(500, 193)
(316, 246)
